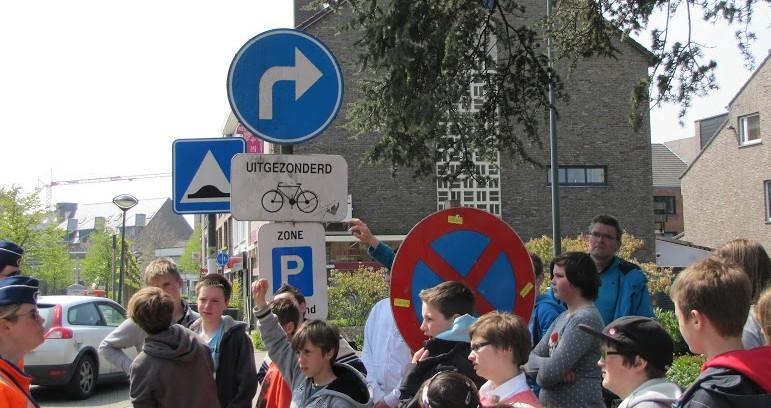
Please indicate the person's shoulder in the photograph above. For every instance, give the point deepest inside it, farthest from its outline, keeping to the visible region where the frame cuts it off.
(627, 267)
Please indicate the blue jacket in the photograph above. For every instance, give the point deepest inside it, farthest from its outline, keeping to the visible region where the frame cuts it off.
(624, 291)
(383, 254)
(547, 308)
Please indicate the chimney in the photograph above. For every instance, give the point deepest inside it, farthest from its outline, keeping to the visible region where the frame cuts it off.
(140, 220)
(72, 225)
(65, 211)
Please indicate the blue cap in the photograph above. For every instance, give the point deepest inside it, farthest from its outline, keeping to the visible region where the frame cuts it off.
(19, 289)
(10, 253)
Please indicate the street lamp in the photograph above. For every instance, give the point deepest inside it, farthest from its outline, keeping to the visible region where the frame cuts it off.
(125, 202)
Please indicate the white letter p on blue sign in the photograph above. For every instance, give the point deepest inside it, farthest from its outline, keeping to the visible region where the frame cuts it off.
(293, 265)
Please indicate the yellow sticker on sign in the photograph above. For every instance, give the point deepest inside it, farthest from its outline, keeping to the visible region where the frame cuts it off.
(401, 302)
(526, 289)
(455, 219)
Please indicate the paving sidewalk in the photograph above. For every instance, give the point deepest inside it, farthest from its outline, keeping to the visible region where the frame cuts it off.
(114, 395)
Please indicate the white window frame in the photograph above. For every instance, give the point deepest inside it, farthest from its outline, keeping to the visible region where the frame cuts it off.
(743, 122)
(767, 191)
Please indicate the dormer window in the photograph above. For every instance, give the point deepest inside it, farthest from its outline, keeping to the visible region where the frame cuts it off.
(749, 129)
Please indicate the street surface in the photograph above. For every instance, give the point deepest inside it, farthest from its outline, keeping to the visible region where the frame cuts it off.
(108, 395)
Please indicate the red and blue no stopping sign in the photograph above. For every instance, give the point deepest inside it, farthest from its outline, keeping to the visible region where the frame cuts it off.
(467, 245)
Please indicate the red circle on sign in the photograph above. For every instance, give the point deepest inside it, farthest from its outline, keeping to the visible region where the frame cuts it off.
(467, 245)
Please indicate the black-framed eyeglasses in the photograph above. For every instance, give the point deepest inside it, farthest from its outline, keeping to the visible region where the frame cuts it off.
(475, 347)
(606, 353)
(598, 235)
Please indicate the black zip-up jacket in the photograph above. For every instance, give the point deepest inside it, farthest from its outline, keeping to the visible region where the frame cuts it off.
(739, 378)
(236, 372)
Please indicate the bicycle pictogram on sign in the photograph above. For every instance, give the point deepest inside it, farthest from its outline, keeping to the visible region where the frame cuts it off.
(467, 245)
(306, 201)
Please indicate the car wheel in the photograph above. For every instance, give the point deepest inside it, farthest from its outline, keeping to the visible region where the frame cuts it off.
(83, 380)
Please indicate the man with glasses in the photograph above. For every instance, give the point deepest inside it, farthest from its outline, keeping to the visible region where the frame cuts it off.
(624, 289)
(10, 258)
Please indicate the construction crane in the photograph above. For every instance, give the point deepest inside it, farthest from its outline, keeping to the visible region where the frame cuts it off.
(48, 186)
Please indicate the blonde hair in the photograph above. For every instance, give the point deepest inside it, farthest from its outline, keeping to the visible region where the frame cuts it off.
(763, 312)
(8, 312)
(753, 259)
(161, 267)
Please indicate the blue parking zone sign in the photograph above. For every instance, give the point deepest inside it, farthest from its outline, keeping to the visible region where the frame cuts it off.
(294, 265)
(285, 86)
(201, 174)
(295, 253)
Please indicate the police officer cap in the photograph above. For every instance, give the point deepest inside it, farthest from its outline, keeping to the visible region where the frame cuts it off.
(19, 289)
(10, 253)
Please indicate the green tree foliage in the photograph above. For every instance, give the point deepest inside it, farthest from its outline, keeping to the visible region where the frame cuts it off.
(25, 221)
(668, 320)
(96, 267)
(352, 294)
(189, 262)
(419, 58)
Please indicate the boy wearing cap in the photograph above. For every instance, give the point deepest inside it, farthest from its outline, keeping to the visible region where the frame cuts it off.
(636, 354)
(10, 258)
(712, 300)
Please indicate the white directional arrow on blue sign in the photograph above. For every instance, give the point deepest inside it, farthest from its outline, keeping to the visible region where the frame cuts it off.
(285, 86)
(303, 73)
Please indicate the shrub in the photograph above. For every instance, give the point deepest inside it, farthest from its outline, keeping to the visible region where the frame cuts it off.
(257, 340)
(685, 369)
(659, 281)
(668, 320)
(352, 294)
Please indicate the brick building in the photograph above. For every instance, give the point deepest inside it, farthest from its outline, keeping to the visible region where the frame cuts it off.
(605, 166)
(667, 199)
(727, 188)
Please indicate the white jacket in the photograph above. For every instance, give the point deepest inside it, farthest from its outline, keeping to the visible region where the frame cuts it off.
(655, 393)
(385, 354)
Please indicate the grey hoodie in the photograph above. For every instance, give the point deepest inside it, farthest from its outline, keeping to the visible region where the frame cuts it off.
(348, 390)
(174, 369)
(655, 393)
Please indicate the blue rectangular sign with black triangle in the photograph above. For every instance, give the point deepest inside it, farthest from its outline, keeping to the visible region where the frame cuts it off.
(201, 174)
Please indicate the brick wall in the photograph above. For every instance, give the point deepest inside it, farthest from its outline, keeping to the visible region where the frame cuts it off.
(723, 190)
(593, 130)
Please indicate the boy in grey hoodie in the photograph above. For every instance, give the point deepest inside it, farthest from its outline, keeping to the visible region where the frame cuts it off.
(307, 363)
(636, 354)
(172, 355)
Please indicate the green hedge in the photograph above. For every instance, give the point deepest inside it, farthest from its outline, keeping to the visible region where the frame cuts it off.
(685, 369)
(668, 320)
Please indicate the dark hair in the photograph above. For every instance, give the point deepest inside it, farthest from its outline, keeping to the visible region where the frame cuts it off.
(629, 357)
(449, 389)
(286, 311)
(151, 309)
(537, 264)
(580, 271)
(217, 281)
(504, 331)
(319, 333)
(608, 220)
(287, 288)
(450, 298)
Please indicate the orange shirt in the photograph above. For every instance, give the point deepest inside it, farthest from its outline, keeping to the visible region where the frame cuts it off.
(14, 387)
(275, 392)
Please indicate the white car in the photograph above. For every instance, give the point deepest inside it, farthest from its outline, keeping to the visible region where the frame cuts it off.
(68, 357)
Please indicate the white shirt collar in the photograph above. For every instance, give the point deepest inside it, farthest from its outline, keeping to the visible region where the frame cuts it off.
(511, 387)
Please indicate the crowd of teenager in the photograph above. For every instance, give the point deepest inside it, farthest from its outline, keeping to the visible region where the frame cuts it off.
(591, 340)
